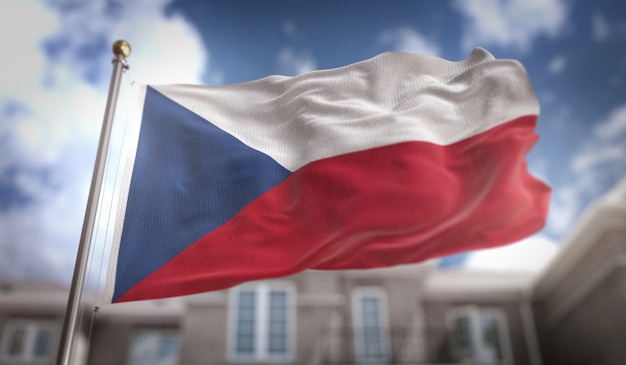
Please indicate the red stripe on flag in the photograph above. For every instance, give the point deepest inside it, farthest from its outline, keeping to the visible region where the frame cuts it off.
(402, 203)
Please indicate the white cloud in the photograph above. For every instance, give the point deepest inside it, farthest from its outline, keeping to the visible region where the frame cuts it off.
(39, 240)
(564, 206)
(600, 154)
(406, 39)
(600, 28)
(605, 149)
(52, 100)
(529, 255)
(614, 126)
(165, 49)
(512, 23)
(557, 65)
(292, 63)
(22, 24)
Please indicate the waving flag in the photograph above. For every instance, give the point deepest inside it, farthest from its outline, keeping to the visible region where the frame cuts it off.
(393, 160)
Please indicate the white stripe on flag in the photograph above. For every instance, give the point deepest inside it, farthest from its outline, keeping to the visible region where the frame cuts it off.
(391, 98)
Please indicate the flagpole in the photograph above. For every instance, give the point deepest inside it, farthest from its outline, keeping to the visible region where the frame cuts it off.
(121, 50)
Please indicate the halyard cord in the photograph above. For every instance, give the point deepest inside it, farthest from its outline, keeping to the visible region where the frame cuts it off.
(105, 244)
(113, 192)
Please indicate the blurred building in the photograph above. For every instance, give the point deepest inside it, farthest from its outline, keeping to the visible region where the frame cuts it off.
(572, 313)
(580, 300)
(31, 320)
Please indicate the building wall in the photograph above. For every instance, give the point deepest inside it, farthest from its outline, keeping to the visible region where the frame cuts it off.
(581, 320)
(115, 325)
(203, 330)
(207, 319)
(109, 343)
(39, 304)
(324, 320)
(404, 312)
(436, 313)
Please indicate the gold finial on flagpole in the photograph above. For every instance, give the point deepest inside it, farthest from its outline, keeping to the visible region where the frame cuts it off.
(121, 48)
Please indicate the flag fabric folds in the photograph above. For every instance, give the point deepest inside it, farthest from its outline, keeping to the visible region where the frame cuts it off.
(393, 160)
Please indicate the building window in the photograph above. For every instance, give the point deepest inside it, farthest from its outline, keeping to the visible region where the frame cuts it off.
(262, 322)
(28, 341)
(370, 325)
(153, 347)
(479, 335)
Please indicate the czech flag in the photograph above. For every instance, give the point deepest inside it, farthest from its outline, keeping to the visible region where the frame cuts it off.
(393, 160)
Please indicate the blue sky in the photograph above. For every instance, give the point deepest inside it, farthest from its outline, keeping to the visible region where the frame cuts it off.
(56, 68)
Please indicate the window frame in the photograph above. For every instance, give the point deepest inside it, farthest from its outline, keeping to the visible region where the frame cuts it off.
(261, 351)
(479, 348)
(32, 329)
(358, 294)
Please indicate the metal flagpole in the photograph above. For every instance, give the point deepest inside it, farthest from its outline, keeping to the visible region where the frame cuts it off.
(121, 50)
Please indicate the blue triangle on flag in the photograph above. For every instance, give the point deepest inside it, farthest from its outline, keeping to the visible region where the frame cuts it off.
(189, 178)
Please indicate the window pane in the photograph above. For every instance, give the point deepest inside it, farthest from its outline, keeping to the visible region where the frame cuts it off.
(41, 348)
(461, 338)
(246, 323)
(277, 345)
(246, 314)
(17, 341)
(245, 328)
(369, 306)
(278, 299)
(150, 348)
(261, 326)
(371, 338)
(245, 344)
(277, 329)
(491, 339)
(370, 320)
(247, 299)
(168, 349)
